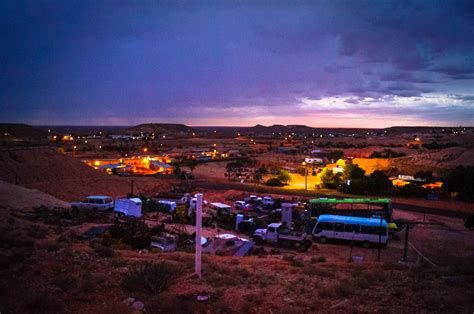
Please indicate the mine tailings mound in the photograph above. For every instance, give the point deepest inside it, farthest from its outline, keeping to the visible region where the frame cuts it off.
(18, 197)
(67, 178)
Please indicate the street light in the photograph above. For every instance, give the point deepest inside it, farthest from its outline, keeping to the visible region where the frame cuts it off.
(74, 151)
(305, 175)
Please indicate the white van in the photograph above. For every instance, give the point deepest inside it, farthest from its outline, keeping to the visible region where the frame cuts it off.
(128, 207)
(94, 202)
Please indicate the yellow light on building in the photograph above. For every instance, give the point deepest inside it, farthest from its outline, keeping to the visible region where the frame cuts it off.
(96, 163)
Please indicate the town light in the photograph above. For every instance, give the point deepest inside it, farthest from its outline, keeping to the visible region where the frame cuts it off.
(145, 150)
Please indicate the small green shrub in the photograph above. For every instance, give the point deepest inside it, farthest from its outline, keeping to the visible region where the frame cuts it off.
(288, 257)
(297, 262)
(320, 259)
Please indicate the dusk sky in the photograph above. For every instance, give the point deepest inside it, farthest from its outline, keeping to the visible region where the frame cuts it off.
(237, 63)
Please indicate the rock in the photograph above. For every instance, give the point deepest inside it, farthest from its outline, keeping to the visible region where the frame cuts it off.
(288, 300)
(128, 301)
(138, 305)
(203, 297)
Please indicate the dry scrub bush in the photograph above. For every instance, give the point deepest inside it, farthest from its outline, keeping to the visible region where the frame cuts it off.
(50, 246)
(150, 278)
(37, 232)
(64, 281)
(43, 303)
(103, 251)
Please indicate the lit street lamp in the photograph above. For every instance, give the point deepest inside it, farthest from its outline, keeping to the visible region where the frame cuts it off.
(305, 175)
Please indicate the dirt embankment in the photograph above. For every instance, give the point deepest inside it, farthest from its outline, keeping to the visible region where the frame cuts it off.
(17, 197)
(67, 178)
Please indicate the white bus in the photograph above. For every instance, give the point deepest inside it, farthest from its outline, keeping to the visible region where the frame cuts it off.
(358, 229)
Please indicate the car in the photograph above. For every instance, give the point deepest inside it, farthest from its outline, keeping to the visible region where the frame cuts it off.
(268, 201)
(95, 202)
(241, 205)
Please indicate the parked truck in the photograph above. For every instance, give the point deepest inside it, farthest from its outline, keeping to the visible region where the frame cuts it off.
(277, 233)
(179, 199)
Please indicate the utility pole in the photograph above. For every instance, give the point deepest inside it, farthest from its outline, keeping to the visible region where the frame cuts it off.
(380, 240)
(197, 268)
(305, 175)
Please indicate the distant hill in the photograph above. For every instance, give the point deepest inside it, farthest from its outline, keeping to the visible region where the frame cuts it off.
(20, 130)
(161, 128)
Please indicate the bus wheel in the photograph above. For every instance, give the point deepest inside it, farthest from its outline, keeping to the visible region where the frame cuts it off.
(258, 240)
(366, 244)
(323, 240)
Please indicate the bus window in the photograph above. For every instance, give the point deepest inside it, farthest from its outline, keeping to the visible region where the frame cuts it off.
(326, 226)
(381, 231)
(352, 228)
(339, 227)
(368, 230)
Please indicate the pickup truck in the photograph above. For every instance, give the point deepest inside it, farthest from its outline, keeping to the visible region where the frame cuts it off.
(276, 233)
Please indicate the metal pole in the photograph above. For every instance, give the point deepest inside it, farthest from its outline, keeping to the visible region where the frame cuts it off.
(352, 244)
(306, 177)
(198, 235)
(404, 259)
(380, 240)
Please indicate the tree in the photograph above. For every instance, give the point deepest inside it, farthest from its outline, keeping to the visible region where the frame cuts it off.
(284, 177)
(335, 155)
(379, 183)
(177, 167)
(329, 179)
(460, 181)
(352, 172)
(192, 164)
(274, 182)
(427, 175)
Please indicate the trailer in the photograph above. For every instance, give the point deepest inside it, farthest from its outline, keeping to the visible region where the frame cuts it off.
(128, 207)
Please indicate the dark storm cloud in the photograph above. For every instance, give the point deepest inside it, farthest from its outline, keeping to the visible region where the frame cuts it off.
(126, 62)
